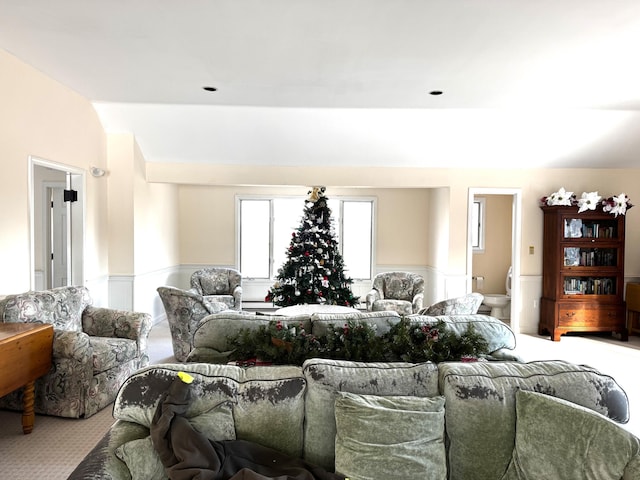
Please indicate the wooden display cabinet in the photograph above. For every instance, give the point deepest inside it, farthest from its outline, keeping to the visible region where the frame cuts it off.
(582, 272)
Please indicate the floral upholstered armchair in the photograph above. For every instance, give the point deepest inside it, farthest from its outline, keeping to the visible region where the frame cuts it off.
(219, 285)
(402, 292)
(185, 309)
(94, 350)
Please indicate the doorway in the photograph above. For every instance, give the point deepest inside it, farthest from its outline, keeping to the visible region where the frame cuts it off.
(514, 240)
(57, 224)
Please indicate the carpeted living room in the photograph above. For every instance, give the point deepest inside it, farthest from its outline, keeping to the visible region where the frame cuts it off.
(485, 148)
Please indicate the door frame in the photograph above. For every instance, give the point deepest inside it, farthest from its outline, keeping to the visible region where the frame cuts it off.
(516, 235)
(75, 249)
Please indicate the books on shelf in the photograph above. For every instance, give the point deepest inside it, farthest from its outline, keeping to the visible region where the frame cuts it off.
(589, 286)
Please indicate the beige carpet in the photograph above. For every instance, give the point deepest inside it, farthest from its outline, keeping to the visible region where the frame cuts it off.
(57, 445)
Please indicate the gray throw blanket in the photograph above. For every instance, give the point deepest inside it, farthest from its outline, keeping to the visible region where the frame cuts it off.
(188, 455)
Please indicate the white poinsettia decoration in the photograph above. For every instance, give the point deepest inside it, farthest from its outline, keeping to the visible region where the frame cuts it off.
(561, 197)
(617, 205)
(588, 201)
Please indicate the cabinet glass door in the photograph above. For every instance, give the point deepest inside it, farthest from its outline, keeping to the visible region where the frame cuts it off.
(590, 257)
(589, 285)
(587, 228)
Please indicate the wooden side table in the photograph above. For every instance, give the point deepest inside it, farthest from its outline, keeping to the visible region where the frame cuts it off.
(632, 297)
(25, 355)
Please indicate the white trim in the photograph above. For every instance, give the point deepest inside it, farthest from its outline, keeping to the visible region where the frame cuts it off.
(481, 221)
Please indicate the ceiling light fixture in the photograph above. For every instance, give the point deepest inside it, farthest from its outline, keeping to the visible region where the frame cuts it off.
(210, 89)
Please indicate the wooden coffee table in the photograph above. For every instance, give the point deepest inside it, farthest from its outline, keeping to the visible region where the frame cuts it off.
(25, 355)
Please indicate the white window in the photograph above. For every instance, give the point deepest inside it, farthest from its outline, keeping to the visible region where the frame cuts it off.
(477, 231)
(266, 225)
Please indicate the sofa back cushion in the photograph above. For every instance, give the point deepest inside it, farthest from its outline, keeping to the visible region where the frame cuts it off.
(325, 378)
(599, 447)
(213, 330)
(465, 305)
(382, 321)
(497, 333)
(61, 307)
(268, 403)
(480, 413)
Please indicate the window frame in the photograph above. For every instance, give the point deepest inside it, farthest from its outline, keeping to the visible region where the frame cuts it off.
(482, 203)
(337, 225)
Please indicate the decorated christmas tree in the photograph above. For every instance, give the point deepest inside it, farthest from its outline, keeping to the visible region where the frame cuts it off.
(314, 269)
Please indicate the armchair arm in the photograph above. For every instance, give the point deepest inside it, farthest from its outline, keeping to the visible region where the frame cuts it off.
(72, 345)
(418, 301)
(372, 296)
(109, 322)
(237, 296)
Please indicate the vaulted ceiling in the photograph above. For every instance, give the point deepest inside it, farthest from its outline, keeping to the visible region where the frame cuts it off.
(534, 83)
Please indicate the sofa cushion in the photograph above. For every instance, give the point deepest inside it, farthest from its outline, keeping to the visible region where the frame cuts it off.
(465, 305)
(143, 460)
(325, 378)
(600, 449)
(109, 352)
(213, 330)
(497, 333)
(61, 307)
(404, 307)
(381, 321)
(390, 437)
(268, 403)
(480, 407)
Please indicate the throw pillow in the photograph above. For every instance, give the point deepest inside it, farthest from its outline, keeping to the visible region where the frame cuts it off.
(559, 439)
(142, 459)
(390, 437)
(465, 305)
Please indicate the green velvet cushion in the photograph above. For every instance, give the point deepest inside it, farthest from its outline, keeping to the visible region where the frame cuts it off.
(481, 407)
(268, 403)
(326, 378)
(143, 460)
(390, 437)
(559, 439)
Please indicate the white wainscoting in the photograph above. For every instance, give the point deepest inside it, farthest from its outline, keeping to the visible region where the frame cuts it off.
(139, 292)
(529, 308)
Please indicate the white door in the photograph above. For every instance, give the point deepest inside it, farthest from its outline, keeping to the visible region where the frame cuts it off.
(58, 226)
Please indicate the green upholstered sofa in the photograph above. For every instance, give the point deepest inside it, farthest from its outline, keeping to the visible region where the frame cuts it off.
(210, 336)
(481, 421)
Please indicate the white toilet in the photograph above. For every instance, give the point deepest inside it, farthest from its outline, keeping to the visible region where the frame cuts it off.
(500, 302)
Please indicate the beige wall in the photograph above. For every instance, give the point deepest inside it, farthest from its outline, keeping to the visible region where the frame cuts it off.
(207, 222)
(451, 193)
(41, 118)
(155, 221)
(142, 216)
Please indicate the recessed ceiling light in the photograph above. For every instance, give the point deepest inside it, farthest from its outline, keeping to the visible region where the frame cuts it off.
(435, 92)
(210, 89)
